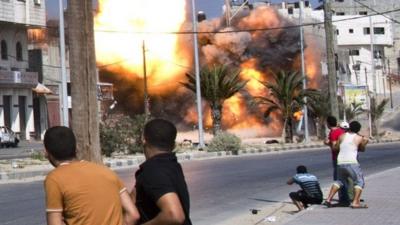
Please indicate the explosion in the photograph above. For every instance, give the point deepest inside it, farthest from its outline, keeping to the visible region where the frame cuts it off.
(127, 23)
(123, 26)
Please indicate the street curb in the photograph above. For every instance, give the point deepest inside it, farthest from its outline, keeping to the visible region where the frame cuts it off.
(132, 161)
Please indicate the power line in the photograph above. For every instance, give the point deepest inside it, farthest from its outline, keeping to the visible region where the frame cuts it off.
(376, 11)
(244, 30)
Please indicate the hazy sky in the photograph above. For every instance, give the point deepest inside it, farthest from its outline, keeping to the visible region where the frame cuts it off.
(212, 8)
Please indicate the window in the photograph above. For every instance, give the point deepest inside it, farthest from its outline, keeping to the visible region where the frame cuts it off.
(18, 48)
(354, 52)
(378, 54)
(379, 30)
(363, 13)
(306, 3)
(366, 31)
(337, 31)
(296, 5)
(339, 0)
(37, 2)
(4, 51)
(351, 31)
(340, 14)
(290, 10)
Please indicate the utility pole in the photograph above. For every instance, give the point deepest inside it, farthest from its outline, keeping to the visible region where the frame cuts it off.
(330, 54)
(85, 111)
(390, 85)
(303, 73)
(371, 35)
(145, 93)
(197, 74)
(228, 12)
(369, 103)
(64, 92)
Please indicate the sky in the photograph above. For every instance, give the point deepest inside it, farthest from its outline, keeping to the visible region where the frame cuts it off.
(212, 8)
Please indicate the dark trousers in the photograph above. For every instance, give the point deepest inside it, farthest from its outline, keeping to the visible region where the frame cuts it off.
(343, 195)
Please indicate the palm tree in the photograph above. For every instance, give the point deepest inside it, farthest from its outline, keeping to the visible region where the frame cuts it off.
(352, 110)
(217, 84)
(319, 109)
(376, 113)
(286, 96)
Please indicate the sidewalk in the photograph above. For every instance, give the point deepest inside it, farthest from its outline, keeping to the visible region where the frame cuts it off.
(381, 194)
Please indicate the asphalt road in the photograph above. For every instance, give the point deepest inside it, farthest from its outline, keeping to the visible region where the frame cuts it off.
(24, 150)
(219, 188)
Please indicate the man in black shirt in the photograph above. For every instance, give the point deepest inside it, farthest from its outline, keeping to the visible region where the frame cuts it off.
(160, 191)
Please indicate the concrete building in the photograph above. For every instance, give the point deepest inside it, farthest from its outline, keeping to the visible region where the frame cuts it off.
(367, 7)
(16, 78)
(354, 49)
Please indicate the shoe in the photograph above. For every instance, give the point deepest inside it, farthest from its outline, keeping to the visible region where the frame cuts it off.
(327, 204)
(361, 206)
(343, 204)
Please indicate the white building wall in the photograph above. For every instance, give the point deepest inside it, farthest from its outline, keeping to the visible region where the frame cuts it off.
(357, 25)
(23, 12)
(351, 37)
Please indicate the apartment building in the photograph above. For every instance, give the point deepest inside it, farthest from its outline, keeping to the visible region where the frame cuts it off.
(16, 79)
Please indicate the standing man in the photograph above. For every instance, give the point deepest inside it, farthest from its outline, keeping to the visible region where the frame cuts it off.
(348, 166)
(310, 192)
(333, 137)
(80, 192)
(160, 192)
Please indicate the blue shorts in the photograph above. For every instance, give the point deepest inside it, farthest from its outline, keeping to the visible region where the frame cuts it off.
(352, 171)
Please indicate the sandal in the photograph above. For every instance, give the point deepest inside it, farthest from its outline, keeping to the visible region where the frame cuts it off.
(362, 206)
(327, 204)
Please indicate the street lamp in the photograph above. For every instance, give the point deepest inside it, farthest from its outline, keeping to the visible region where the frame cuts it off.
(64, 99)
(197, 74)
(303, 73)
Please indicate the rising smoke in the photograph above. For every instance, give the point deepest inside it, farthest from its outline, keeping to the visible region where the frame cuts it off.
(266, 48)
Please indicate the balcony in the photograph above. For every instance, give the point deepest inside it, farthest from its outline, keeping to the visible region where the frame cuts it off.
(17, 79)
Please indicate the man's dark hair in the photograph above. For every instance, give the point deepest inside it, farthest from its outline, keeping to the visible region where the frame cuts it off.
(301, 169)
(331, 121)
(161, 134)
(60, 143)
(355, 126)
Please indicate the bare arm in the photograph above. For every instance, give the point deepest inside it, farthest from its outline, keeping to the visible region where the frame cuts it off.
(336, 144)
(171, 211)
(54, 218)
(131, 214)
(290, 181)
(363, 142)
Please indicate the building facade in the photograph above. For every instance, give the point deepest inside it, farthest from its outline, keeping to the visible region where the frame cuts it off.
(371, 7)
(16, 78)
(355, 39)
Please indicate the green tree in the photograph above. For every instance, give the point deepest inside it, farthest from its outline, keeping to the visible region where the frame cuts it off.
(217, 83)
(286, 96)
(352, 110)
(319, 109)
(377, 110)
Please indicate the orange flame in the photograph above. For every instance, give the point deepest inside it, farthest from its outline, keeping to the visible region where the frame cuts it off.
(122, 26)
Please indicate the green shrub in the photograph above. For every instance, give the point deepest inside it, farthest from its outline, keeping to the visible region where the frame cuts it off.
(224, 141)
(122, 134)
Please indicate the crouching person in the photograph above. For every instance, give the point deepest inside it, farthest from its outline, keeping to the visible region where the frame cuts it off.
(80, 192)
(310, 192)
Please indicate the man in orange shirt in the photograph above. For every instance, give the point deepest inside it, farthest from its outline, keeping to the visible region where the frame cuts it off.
(80, 192)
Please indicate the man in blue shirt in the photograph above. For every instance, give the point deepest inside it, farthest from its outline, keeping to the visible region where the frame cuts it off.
(310, 192)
